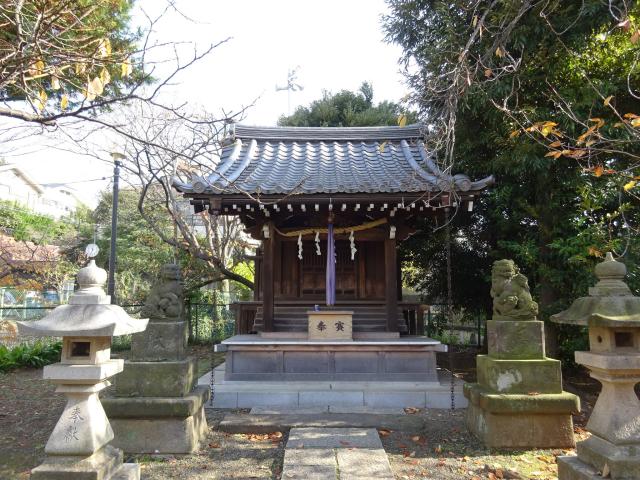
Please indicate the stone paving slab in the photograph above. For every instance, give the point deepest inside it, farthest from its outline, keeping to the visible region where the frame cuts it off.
(367, 409)
(247, 423)
(314, 437)
(360, 463)
(335, 454)
(275, 410)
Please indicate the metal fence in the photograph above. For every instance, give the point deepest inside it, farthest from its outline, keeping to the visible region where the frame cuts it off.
(207, 322)
(465, 328)
(213, 322)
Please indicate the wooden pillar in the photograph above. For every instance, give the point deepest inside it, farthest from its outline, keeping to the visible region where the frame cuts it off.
(391, 283)
(267, 279)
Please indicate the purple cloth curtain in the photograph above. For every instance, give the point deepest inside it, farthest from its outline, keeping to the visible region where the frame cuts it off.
(331, 267)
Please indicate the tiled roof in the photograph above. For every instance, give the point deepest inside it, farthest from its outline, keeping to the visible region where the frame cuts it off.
(282, 160)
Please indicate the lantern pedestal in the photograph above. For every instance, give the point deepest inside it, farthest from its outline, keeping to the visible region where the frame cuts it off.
(78, 448)
(612, 314)
(614, 422)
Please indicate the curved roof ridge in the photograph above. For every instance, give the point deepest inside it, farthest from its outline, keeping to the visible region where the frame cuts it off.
(414, 131)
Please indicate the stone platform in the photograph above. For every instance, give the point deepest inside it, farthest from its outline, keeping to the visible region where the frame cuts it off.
(332, 395)
(270, 359)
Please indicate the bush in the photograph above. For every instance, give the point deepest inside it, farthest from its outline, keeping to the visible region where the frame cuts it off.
(571, 338)
(33, 355)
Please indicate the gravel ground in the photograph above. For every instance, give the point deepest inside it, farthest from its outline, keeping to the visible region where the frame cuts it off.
(446, 451)
(221, 456)
(29, 409)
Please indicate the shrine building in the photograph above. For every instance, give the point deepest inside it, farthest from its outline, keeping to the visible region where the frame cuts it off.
(310, 194)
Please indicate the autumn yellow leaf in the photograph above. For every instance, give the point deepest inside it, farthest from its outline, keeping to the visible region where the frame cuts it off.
(55, 83)
(607, 100)
(126, 68)
(64, 102)
(42, 100)
(598, 121)
(499, 52)
(618, 125)
(598, 170)
(402, 120)
(488, 72)
(80, 68)
(39, 67)
(104, 47)
(514, 134)
(546, 130)
(575, 153)
(94, 88)
(635, 122)
(555, 144)
(594, 252)
(635, 36)
(630, 115)
(584, 136)
(629, 185)
(382, 146)
(105, 77)
(554, 154)
(589, 143)
(475, 21)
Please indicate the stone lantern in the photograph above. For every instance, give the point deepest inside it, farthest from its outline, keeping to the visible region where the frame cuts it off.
(612, 314)
(79, 445)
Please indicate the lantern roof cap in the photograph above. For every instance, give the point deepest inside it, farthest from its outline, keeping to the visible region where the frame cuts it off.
(89, 312)
(610, 302)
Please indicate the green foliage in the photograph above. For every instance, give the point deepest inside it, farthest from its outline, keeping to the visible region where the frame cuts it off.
(24, 224)
(55, 49)
(572, 338)
(346, 109)
(32, 355)
(140, 252)
(551, 215)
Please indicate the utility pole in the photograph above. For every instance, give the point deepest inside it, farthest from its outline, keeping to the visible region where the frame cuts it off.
(111, 283)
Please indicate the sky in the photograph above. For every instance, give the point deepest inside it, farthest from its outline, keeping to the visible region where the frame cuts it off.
(332, 45)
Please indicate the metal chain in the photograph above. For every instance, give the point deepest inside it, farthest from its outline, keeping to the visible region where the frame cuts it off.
(212, 380)
(450, 305)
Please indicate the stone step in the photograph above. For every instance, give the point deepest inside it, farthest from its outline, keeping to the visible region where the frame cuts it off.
(319, 410)
(247, 423)
(335, 453)
(234, 398)
(128, 471)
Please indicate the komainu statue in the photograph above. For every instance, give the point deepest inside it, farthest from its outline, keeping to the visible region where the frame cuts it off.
(165, 300)
(510, 292)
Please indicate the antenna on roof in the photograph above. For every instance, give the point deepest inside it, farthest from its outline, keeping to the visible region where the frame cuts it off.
(292, 86)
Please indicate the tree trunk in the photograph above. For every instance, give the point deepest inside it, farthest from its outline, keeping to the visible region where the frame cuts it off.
(547, 292)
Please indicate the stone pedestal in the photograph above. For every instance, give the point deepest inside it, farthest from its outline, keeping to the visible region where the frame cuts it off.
(614, 423)
(156, 408)
(518, 401)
